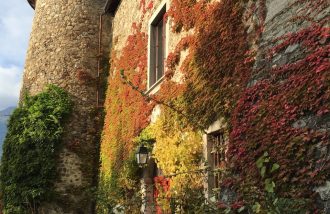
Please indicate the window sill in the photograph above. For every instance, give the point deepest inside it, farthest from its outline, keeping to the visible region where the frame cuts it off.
(155, 87)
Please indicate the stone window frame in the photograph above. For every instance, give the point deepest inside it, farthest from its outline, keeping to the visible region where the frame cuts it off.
(216, 128)
(216, 143)
(157, 16)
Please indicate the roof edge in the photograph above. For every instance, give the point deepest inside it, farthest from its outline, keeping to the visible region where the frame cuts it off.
(111, 6)
(32, 3)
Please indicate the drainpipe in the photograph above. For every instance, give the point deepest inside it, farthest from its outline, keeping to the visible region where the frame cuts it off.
(98, 106)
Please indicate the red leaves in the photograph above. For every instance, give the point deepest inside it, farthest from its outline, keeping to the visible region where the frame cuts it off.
(216, 72)
(84, 77)
(144, 6)
(213, 70)
(173, 58)
(324, 110)
(264, 114)
(127, 111)
(163, 182)
(150, 5)
(161, 192)
(237, 204)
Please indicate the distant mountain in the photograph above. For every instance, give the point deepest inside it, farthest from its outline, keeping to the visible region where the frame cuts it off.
(4, 116)
(7, 111)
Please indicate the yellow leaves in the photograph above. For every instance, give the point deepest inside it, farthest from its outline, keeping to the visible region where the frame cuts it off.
(177, 150)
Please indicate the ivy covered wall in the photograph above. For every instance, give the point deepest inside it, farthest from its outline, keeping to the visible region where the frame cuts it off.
(262, 66)
(31, 151)
(64, 51)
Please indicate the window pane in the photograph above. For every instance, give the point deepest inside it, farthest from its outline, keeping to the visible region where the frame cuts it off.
(152, 74)
(160, 50)
(157, 48)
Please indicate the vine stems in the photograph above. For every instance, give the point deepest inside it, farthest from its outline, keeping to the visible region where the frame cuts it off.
(168, 105)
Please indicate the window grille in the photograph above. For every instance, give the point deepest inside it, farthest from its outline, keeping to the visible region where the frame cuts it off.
(217, 155)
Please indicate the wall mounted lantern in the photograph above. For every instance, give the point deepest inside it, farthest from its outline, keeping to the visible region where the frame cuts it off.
(142, 155)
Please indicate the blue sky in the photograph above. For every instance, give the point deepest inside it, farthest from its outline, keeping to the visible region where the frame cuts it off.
(15, 26)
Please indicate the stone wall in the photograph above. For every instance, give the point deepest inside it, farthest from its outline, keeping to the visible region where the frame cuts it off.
(135, 15)
(278, 14)
(278, 22)
(131, 12)
(124, 18)
(64, 51)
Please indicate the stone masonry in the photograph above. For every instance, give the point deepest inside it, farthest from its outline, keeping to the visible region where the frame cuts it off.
(64, 51)
(278, 14)
(277, 23)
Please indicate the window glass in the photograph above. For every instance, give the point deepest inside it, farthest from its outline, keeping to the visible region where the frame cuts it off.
(160, 50)
(157, 48)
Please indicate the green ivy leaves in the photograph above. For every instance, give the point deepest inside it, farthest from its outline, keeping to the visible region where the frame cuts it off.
(269, 185)
(263, 163)
(28, 165)
(275, 167)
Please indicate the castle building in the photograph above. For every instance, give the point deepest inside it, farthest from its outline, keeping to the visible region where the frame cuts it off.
(69, 47)
(250, 76)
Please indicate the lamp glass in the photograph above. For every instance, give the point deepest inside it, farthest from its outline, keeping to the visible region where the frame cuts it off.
(142, 155)
(142, 158)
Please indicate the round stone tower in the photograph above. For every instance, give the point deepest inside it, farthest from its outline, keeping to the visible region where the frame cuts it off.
(68, 46)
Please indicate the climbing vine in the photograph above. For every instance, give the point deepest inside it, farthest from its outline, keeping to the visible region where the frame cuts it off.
(214, 74)
(261, 117)
(28, 164)
(177, 150)
(269, 114)
(230, 72)
(127, 113)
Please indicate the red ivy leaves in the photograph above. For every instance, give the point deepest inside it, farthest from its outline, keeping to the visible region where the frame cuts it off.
(127, 111)
(264, 117)
(261, 116)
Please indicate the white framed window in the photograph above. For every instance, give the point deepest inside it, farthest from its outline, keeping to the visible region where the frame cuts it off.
(157, 46)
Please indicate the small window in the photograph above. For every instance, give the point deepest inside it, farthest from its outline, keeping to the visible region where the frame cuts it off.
(157, 47)
(217, 149)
